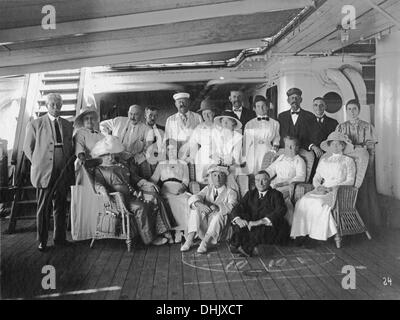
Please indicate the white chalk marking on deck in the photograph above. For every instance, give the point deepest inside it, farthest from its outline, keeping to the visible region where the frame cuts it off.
(261, 278)
(69, 293)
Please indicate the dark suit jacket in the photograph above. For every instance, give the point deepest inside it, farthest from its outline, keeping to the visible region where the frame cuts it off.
(303, 130)
(251, 208)
(322, 131)
(246, 115)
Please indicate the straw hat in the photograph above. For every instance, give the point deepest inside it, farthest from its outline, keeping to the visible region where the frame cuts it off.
(228, 114)
(337, 136)
(216, 168)
(109, 144)
(84, 111)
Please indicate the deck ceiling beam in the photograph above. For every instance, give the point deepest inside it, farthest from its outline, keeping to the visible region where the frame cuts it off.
(136, 20)
(132, 57)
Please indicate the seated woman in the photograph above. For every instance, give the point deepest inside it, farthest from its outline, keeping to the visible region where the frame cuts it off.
(174, 177)
(227, 146)
(287, 168)
(312, 213)
(86, 136)
(362, 135)
(149, 220)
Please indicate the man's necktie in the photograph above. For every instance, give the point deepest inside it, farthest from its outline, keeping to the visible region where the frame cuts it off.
(296, 112)
(58, 132)
(215, 195)
(263, 118)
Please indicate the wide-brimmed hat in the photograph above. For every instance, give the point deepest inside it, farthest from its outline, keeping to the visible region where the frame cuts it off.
(228, 114)
(207, 104)
(110, 144)
(216, 168)
(84, 111)
(181, 95)
(337, 136)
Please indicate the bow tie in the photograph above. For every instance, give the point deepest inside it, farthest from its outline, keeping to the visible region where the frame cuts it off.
(296, 112)
(263, 118)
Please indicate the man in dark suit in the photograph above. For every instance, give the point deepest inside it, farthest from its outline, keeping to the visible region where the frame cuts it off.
(243, 114)
(48, 145)
(296, 122)
(323, 125)
(259, 218)
(156, 151)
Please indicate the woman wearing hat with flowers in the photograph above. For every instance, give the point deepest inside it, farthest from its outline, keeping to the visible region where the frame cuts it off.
(86, 136)
(151, 221)
(312, 213)
(201, 141)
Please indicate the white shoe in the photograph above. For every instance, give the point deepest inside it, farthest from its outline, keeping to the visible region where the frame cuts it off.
(202, 248)
(178, 236)
(187, 245)
(160, 241)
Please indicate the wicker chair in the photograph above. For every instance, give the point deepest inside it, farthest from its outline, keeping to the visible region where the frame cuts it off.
(109, 215)
(347, 218)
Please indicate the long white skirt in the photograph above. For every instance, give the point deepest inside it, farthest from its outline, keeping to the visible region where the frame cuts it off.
(313, 217)
(286, 195)
(178, 204)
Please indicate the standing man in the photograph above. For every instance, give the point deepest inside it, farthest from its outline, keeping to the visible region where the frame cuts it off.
(323, 125)
(296, 122)
(132, 132)
(259, 218)
(156, 151)
(261, 135)
(243, 114)
(179, 126)
(48, 145)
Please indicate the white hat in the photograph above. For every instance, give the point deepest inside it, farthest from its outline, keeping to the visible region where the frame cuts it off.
(84, 111)
(181, 95)
(337, 136)
(110, 144)
(216, 168)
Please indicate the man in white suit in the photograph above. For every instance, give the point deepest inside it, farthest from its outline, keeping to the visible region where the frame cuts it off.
(48, 145)
(210, 209)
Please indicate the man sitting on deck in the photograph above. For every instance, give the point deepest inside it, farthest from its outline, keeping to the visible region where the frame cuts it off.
(210, 210)
(259, 218)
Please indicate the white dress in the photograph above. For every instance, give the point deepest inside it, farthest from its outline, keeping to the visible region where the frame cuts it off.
(178, 203)
(287, 169)
(201, 143)
(259, 136)
(312, 213)
(227, 151)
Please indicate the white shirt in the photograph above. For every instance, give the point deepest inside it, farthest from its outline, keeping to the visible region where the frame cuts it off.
(238, 112)
(177, 129)
(53, 128)
(294, 116)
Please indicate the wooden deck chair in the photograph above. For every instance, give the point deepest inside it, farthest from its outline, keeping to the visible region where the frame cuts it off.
(100, 220)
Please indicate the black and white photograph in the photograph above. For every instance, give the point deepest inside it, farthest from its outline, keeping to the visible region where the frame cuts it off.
(200, 155)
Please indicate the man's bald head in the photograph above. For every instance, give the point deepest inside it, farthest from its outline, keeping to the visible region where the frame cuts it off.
(54, 104)
(135, 113)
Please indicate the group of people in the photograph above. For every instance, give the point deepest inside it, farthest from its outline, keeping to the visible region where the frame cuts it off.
(221, 146)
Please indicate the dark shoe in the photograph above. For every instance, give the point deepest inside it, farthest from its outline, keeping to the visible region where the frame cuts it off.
(42, 247)
(300, 241)
(311, 243)
(63, 243)
(233, 249)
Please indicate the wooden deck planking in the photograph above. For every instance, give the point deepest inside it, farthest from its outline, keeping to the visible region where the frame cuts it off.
(175, 273)
(165, 273)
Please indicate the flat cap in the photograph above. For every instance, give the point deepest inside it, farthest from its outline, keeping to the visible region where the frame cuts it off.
(294, 91)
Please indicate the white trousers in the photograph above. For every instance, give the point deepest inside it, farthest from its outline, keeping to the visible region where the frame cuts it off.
(210, 226)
